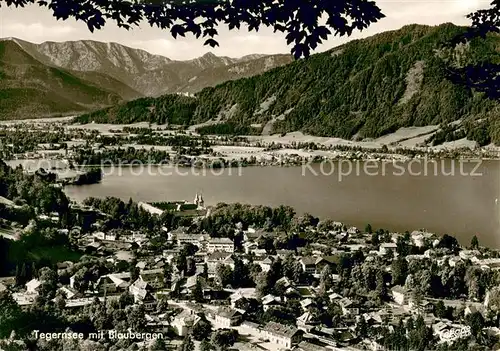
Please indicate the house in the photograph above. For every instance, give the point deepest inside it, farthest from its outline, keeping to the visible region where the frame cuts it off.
(250, 247)
(452, 261)
(104, 236)
(353, 230)
(423, 306)
(172, 235)
(191, 282)
(399, 294)
(306, 319)
(237, 298)
(439, 326)
(348, 307)
(355, 247)
(305, 292)
(199, 257)
(445, 331)
(24, 300)
(251, 328)
(147, 299)
(183, 323)
(285, 282)
(251, 235)
(284, 253)
(309, 346)
(469, 254)
(194, 239)
(245, 293)
(141, 265)
(470, 309)
(306, 303)
(64, 265)
(324, 261)
(159, 262)
(139, 287)
(110, 283)
(228, 317)
(138, 237)
(259, 252)
(265, 264)
(154, 277)
(385, 248)
(256, 236)
(69, 293)
(308, 264)
(228, 261)
(220, 244)
(334, 296)
(417, 238)
(213, 259)
(33, 286)
(282, 335)
(269, 301)
(373, 345)
(92, 247)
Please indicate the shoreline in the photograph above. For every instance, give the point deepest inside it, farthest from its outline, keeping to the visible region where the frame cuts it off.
(235, 163)
(262, 158)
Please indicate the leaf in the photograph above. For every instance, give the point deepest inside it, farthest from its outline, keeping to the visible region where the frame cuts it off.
(177, 29)
(211, 32)
(211, 42)
(279, 27)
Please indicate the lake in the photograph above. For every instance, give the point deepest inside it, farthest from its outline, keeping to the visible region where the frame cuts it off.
(442, 197)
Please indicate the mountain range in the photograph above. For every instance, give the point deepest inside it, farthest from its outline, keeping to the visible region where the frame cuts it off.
(363, 89)
(75, 76)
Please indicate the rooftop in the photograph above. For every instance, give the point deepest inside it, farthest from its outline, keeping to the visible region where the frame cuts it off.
(220, 241)
(280, 329)
(227, 313)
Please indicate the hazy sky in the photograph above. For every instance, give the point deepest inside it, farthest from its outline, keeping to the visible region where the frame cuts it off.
(37, 25)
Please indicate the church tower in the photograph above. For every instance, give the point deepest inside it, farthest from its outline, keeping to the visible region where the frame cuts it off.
(198, 201)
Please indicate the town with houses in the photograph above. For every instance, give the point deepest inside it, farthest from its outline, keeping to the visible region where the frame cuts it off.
(325, 287)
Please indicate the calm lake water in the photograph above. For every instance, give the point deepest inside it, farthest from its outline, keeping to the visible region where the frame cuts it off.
(395, 197)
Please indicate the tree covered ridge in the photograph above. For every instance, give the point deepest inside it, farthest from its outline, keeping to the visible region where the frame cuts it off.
(356, 89)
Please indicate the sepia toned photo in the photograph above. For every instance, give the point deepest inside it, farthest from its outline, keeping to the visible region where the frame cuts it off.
(249, 175)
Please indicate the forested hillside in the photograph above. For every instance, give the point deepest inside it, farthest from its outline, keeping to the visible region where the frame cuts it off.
(365, 88)
(29, 88)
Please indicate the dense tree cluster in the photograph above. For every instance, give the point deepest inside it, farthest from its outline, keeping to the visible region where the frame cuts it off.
(120, 156)
(169, 109)
(91, 176)
(228, 215)
(36, 189)
(127, 215)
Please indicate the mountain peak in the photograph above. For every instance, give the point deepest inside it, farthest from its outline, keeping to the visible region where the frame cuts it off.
(209, 54)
